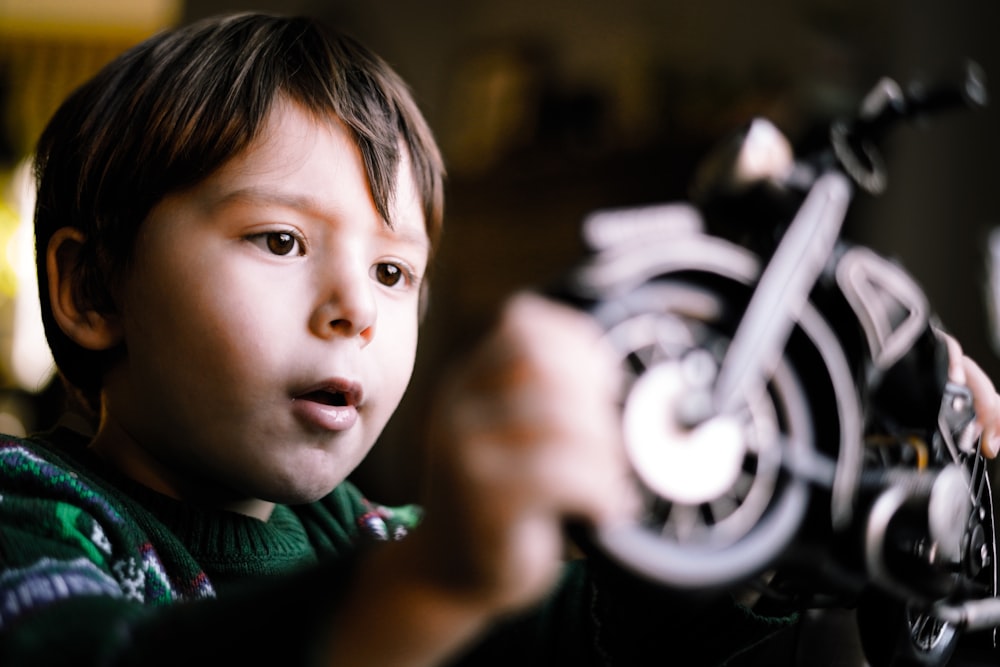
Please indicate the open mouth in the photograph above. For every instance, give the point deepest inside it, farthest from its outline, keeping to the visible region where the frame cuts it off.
(331, 405)
(336, 398)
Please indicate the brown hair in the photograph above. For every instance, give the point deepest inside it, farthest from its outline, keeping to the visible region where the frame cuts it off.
(170, 111)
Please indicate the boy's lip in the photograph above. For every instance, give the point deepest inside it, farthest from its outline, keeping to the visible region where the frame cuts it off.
(331, 405)
(339, 392)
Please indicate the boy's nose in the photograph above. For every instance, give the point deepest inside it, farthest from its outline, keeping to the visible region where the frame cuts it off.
(348, 311)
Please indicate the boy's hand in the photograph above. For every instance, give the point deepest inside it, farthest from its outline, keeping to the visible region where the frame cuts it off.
(526, 436)
(965, 371)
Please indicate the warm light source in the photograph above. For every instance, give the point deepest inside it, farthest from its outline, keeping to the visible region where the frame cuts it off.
(122, 17)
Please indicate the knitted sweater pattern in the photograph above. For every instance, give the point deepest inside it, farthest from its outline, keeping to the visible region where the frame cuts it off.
(68, 533)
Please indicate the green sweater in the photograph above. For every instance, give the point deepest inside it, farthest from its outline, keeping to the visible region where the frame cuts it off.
(98, 570)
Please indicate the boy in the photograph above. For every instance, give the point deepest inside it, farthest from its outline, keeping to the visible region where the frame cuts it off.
(234, 226)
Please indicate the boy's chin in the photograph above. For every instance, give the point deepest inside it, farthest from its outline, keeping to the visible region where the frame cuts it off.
(303, 493)
(295, 480)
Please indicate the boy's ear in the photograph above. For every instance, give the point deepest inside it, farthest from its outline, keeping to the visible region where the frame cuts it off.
(82, 321)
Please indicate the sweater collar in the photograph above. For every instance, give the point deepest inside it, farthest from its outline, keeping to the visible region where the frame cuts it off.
(220, 540)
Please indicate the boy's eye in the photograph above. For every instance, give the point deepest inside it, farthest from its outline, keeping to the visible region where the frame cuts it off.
(278, 243)
(281, 243)
(388, 274)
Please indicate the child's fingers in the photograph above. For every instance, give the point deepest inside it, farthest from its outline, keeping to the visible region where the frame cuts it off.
(956, 368)
(963, 370)
(987, 404)
(572, 400)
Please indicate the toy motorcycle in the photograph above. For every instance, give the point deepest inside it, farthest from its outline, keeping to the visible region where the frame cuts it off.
(787, 413)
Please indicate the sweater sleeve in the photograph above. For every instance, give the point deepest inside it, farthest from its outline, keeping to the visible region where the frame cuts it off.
(276, 621)
(73, 576)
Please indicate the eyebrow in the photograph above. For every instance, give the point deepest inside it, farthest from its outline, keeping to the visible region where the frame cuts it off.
(309, 204)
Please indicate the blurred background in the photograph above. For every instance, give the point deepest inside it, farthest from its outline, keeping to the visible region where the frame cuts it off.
(549, 109)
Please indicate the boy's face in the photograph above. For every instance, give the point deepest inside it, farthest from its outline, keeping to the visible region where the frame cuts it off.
(270, 324)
